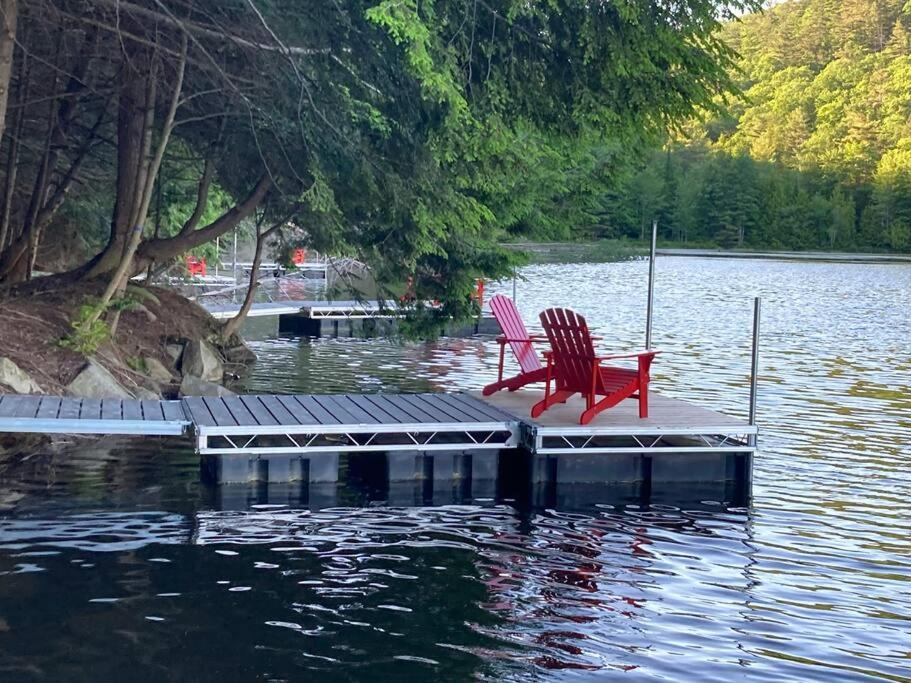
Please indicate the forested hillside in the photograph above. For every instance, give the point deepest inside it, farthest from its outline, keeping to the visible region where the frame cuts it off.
(816, 153)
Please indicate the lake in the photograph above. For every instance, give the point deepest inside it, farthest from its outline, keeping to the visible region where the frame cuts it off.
(115, 562)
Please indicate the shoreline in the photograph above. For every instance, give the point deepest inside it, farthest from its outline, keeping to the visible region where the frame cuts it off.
(820, 256)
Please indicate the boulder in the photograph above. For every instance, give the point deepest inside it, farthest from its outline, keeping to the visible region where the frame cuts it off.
(145, 393)
(16, 378)
(202, 360)
(175, 351)
(94, 381)
(156, 370)
(194, 386)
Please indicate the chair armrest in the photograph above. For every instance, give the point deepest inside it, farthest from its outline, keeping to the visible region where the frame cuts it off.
(532, 338)
(637, 354)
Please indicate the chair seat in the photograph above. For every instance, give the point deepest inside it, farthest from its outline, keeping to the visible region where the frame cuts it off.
(617, 379)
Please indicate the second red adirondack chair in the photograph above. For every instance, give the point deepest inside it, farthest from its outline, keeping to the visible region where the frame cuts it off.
(573, 368)
(516, 335)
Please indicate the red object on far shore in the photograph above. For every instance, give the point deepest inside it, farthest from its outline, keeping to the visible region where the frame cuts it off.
(196, 266)
(516, 335)
(299, 257)
(479, 294)
(573, 368)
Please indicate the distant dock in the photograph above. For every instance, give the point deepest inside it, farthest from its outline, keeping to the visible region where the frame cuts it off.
(315, 318)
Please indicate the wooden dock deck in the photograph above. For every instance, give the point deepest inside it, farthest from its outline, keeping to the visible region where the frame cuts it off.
(672, 426)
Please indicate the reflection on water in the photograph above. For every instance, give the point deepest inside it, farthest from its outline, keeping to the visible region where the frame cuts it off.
(113, 558)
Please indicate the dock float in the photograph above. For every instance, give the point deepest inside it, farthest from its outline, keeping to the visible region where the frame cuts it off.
(287, 438)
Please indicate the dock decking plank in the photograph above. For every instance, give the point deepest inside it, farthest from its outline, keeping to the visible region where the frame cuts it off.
(239, 411)
(477, 413)
(173, 411)
(320, 413)
(301, 414)
(151, 411)
(384, 414)
(21, 406)
(388, 407)
(455, 408)
(258, 410)
(216, 410)
(70, 408)
(436, 413)
(111, 409)
(132, 410)
(494, 413)
(336, 409)
(362, 415)
(279, 412)
(91, 409)
(416, 414)
(50, 406)
(199, 412)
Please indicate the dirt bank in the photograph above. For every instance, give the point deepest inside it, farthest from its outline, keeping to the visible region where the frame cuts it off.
(34, 317)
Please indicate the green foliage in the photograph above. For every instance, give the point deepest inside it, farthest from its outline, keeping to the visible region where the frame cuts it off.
(815, 155)
(88, 333)
(90, 330)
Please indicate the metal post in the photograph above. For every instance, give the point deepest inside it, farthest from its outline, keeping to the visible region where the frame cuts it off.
(754, 370)
(651, 286)
(217, 255)
(234, 257)
(514, 284)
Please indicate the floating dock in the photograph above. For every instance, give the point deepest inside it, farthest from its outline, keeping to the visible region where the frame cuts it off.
(313, 318)
(285, 438)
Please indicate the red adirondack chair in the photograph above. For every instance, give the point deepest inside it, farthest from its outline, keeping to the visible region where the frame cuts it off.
(516, 336)
(573, 367)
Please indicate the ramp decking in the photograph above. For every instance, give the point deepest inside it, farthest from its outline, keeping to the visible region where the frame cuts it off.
(55, 415)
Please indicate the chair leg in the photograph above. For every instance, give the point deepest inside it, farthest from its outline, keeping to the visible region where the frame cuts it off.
(549, 400)
(643, 401)
(607, 402)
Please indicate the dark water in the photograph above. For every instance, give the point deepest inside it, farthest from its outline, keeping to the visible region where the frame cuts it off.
(115, 563)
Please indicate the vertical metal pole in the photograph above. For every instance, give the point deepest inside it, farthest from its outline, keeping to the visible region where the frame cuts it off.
(514, 284)
(217, 254)
(651, 286)
(754, 369)
(234, 257)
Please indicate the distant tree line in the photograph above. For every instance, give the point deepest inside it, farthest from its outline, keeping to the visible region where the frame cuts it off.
(815, 153)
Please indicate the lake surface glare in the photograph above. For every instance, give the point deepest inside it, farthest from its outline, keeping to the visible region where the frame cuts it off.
(116, 563)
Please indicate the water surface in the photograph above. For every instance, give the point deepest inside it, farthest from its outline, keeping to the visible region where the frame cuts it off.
(114, 559)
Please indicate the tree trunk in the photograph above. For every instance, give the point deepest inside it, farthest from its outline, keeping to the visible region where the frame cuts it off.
(165, 249)
(15, 260)
(12, 164)
(232, 326)
(8, 16)
(131, 123)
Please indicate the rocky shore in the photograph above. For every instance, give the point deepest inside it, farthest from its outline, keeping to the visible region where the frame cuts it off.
(165, 346)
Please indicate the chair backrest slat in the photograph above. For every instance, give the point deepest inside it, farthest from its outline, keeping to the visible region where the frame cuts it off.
(573, 351)
(507, 315)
